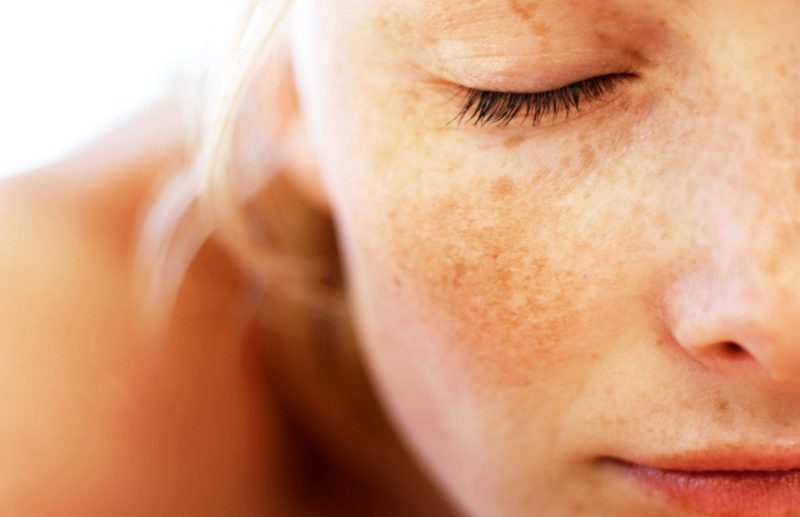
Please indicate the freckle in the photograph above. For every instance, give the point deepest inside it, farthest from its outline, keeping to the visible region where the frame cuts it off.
(724, 414)
(588, 157)
(635, 54)
(585, 134)
(544, 172)
(503, 187)
(458, 274)
(541, 28)
(602, 37)
(566, 161)
(504, 276)
(414, 95)
(381, 22)
(513, 142)
(523, 11)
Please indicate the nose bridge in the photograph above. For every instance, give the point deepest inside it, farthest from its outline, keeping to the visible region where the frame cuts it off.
(737, 287)
(774, 254)
(760, 198)
(757, 85)
(745, 290)
(761, 226)
(756, 221)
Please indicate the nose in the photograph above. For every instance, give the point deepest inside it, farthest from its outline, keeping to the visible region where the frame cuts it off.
(734, 306)
(737, 309)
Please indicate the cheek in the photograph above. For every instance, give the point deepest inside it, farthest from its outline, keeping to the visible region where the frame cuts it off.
(479, 270)
(473, 305)
(488, 293)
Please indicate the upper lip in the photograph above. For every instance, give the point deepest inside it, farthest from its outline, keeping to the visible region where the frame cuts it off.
(730, 458)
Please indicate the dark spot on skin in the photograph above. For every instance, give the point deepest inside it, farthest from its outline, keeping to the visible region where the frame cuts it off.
(522, 10)
(602, 37)
(525, 12)
(615, 13)
(544, 172)
(588, 157)
(541, 28)
(723, 411)
(503, 187)
(504, 276)
(458, 274)
(413, 95)
(634, 54)
(566, 161)
(513, 141)
(686, 101)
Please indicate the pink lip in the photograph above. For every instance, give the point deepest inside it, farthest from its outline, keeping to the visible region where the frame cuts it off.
(729, 482)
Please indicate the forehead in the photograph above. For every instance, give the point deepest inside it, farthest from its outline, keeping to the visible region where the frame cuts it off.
(506, 24)
(440, 12)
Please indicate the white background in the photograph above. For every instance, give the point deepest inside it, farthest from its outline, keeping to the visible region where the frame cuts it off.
(71, 68)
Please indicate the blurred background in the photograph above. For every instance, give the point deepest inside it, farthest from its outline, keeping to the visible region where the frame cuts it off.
(71, 69)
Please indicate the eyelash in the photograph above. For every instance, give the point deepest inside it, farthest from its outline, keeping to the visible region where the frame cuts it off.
(482, 107)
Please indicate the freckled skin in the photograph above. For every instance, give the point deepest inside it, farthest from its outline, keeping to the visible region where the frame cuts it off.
(514, 141)
(522, 9)
(530, 299)
(503, 188)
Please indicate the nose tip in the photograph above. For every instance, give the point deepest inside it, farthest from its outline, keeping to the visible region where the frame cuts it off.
(741, 333)
(765, 359)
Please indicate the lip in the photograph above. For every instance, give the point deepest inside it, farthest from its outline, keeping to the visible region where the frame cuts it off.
(726, 482)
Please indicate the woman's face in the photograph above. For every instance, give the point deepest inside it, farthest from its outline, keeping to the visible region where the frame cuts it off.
(620, 282)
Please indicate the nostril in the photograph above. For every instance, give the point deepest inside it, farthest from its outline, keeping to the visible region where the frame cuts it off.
(734, 350)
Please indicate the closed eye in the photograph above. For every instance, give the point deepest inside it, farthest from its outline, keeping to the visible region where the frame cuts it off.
(483, 107)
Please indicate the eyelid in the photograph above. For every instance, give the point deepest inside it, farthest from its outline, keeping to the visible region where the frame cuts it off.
(483, 107)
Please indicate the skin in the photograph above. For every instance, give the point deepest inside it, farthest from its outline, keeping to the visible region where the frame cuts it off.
(529, 300)
(621, 282)
(95, 419)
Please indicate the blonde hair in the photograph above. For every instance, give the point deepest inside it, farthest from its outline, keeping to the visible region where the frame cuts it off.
(229, 162)
(231, 190)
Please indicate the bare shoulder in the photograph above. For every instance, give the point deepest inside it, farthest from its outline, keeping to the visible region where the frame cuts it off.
(93, 421)
(68, 230)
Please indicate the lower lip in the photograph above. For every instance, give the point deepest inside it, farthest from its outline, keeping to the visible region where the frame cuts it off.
(757, 493)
